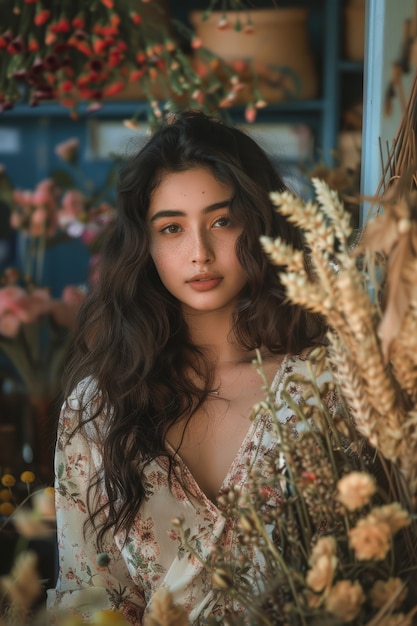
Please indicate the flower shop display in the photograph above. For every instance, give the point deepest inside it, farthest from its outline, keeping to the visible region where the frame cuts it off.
(92, 50)
(35, 327)
(63, 206)
(35, 337)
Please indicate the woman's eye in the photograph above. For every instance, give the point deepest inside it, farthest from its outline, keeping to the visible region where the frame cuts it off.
(222, 222)
(171, 229)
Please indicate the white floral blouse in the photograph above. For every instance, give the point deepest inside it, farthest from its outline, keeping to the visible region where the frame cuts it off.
(152, 554)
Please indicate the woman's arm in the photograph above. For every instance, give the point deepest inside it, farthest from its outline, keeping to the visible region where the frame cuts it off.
(87, 580)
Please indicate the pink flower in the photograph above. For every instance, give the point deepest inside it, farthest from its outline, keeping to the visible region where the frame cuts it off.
(89, 235)
(38, 222)
(22, 197)
(72, 206)
(250, 114)
(45, 194)
(17, 307)
(9, 296)
(31, 306)
(39, 217)
(73, 295)
(94, 106)
(15, 220)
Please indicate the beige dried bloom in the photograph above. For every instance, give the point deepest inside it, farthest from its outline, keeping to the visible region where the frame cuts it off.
(164, 612)
(22, 586)
(392, 514)
(384, 591)
(323, 563)
(370, 539)
(355, 490)
(345, 600)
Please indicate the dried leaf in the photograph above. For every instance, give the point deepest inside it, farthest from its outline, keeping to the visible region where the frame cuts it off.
(401, 288)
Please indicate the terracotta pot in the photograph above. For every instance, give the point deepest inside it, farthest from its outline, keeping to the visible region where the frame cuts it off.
(278, 50)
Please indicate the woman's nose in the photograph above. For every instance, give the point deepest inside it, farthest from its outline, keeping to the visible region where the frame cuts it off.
(202, 250)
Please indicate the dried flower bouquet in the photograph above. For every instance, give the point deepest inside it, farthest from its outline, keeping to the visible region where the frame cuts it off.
(368, 357)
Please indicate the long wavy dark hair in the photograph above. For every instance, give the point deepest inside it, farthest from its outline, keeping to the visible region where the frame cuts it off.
(131, 338)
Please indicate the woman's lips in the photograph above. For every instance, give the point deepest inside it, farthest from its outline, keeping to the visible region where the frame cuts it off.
(205, 282)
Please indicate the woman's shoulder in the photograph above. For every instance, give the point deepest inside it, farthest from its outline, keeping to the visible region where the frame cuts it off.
(82, 411)
(83, 394)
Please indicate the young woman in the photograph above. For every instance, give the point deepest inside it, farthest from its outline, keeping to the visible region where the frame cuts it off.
(162, 382)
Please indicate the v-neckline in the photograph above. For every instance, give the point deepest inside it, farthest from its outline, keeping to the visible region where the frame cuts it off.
(185, 470)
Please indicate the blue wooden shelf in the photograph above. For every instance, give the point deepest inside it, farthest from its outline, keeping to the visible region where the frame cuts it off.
(354, 67)
(125, 108)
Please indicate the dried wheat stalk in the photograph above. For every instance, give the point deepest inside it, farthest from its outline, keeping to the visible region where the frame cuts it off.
(338, 288)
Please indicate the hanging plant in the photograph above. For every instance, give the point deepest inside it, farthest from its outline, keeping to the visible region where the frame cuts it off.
(74, 51)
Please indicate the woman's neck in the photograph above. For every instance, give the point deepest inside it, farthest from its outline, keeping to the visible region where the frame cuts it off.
(213, 334)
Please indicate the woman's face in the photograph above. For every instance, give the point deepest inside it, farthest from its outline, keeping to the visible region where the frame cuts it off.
(193, 240)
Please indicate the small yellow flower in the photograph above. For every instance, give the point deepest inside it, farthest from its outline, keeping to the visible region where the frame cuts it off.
(4, 495)
(108, 618)
(50, 491)
(27, 477)
(6, 508)
(7, 480)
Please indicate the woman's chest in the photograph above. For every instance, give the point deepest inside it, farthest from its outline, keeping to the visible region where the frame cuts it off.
(212, 439)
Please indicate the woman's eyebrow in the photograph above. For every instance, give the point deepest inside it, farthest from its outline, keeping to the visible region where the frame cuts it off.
(176, 213)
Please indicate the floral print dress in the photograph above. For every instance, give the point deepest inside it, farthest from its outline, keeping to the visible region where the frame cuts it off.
(134, 567)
